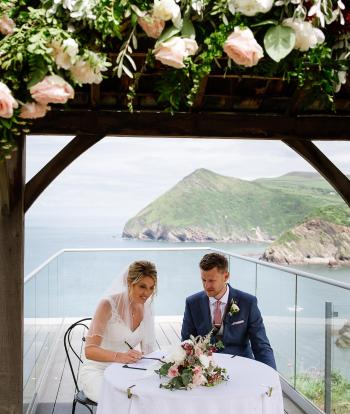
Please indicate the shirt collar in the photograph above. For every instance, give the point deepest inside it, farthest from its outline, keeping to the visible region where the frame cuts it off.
(223, 300)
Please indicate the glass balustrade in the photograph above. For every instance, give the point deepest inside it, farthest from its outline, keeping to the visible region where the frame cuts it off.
(293, 305)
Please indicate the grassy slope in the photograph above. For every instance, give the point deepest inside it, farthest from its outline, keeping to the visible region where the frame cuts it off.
(213, 202)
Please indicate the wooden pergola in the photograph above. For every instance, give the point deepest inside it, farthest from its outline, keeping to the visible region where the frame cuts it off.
(227, 107)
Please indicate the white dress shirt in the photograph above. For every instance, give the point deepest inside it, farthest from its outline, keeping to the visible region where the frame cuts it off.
(223, 300)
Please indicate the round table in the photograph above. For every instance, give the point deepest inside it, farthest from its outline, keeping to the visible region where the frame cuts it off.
(246, 391)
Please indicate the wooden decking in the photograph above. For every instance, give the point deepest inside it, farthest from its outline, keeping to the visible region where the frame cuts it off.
(58, 389)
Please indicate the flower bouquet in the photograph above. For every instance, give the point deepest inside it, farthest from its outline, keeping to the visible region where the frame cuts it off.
(191, 364)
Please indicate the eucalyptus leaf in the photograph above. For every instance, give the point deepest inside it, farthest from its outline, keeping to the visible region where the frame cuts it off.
(279, 41)
(131, 60)
(120, 71)
(188, 29)
(128, 71)
(168, 33)
(134, 41)
(265, 22)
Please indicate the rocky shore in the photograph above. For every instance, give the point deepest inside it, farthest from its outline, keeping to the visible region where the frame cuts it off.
(162, 233)
(315, 241)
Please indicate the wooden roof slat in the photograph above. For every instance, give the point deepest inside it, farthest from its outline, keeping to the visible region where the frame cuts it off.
(154, 123)
(53, 168)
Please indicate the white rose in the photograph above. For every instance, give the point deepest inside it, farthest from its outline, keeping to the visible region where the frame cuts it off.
(177, 355)
(7, 25)
(204, 360)
(167, 10)
(7, 102)
(341, 81)
(174, 51)
(88, 69)
(191, 46)
(33, 110)
(82, 72)
(65, 53)
(152, 26)
(252, 7)
(306, 36)
(242, 47)
(52, 89)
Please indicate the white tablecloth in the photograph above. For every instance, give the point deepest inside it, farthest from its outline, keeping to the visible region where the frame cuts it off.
(243, 393)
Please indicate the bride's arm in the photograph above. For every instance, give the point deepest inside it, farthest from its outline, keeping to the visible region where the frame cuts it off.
(93, 349)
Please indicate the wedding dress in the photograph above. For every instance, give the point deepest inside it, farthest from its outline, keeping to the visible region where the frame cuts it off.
(114, 336)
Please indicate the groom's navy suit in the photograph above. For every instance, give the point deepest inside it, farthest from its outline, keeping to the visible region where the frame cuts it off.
(243, 332)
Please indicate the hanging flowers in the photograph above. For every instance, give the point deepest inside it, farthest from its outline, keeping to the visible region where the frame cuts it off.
(50, 47)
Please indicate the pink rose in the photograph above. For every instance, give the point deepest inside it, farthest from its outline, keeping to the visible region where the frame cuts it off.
(173, 371)
(52, 89)
(198, 377)
(175, 50)
(7, 102)
(242, 47)
(7, 25)
(152, 26)
(33, 110)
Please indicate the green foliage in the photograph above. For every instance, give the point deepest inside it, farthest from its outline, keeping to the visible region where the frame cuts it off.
(333, 214)
(279, 41)
(111, 26)
(313, 388)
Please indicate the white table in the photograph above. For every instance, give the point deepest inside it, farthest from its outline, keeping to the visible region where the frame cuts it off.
(244, 393)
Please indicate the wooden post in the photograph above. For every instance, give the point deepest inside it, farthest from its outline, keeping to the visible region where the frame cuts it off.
(11, 281)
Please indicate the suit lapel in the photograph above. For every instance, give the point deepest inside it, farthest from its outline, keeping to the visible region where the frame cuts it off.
(205, 311)
(233, 295)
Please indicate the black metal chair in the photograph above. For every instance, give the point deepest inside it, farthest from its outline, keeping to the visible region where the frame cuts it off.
(79, 396)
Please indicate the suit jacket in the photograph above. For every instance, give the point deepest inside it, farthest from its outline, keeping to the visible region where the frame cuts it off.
(244, 332)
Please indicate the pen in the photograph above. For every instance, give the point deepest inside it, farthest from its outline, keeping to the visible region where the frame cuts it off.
(127, 343)
(127, 366)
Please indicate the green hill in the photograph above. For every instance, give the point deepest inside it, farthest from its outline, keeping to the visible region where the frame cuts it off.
(322, 237)
(207, 206)
(303, 183)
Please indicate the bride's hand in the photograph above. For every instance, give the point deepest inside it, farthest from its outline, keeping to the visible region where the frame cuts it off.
(129, 357)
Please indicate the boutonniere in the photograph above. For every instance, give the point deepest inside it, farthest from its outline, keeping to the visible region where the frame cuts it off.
(234, 308)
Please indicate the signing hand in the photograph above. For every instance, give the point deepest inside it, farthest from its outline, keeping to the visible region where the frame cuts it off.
(129, 357)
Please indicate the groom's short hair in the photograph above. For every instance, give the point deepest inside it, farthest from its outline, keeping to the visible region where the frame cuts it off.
(211, 260)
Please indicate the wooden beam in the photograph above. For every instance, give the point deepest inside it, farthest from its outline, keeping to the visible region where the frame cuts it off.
(194, 125)
(323, 165)
(53, 168)
(4, 189)
(11, 284)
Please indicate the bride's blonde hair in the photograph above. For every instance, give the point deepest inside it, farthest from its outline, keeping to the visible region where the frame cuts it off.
(140, 269)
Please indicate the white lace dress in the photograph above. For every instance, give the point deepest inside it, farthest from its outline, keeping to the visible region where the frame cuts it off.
(114, 337)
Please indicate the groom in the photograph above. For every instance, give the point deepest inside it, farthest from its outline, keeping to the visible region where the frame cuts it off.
(232, 314)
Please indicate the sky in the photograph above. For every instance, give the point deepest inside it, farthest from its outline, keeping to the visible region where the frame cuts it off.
(117, 177)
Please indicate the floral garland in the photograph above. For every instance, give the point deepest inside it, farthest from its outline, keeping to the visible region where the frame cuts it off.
(50, 47)
(191, 364)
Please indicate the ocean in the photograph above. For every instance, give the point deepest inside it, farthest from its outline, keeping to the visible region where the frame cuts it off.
(43, 242)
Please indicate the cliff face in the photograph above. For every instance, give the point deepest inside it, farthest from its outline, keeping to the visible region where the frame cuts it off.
(314, 241)
(206, 206)
(157, 231)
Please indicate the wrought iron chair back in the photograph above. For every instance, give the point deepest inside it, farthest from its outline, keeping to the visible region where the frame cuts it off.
(74, 351)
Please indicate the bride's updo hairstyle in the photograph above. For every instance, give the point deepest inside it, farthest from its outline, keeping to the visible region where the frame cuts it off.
(140, 269)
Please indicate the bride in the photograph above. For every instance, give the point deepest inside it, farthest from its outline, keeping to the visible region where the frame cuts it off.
(121, 319)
